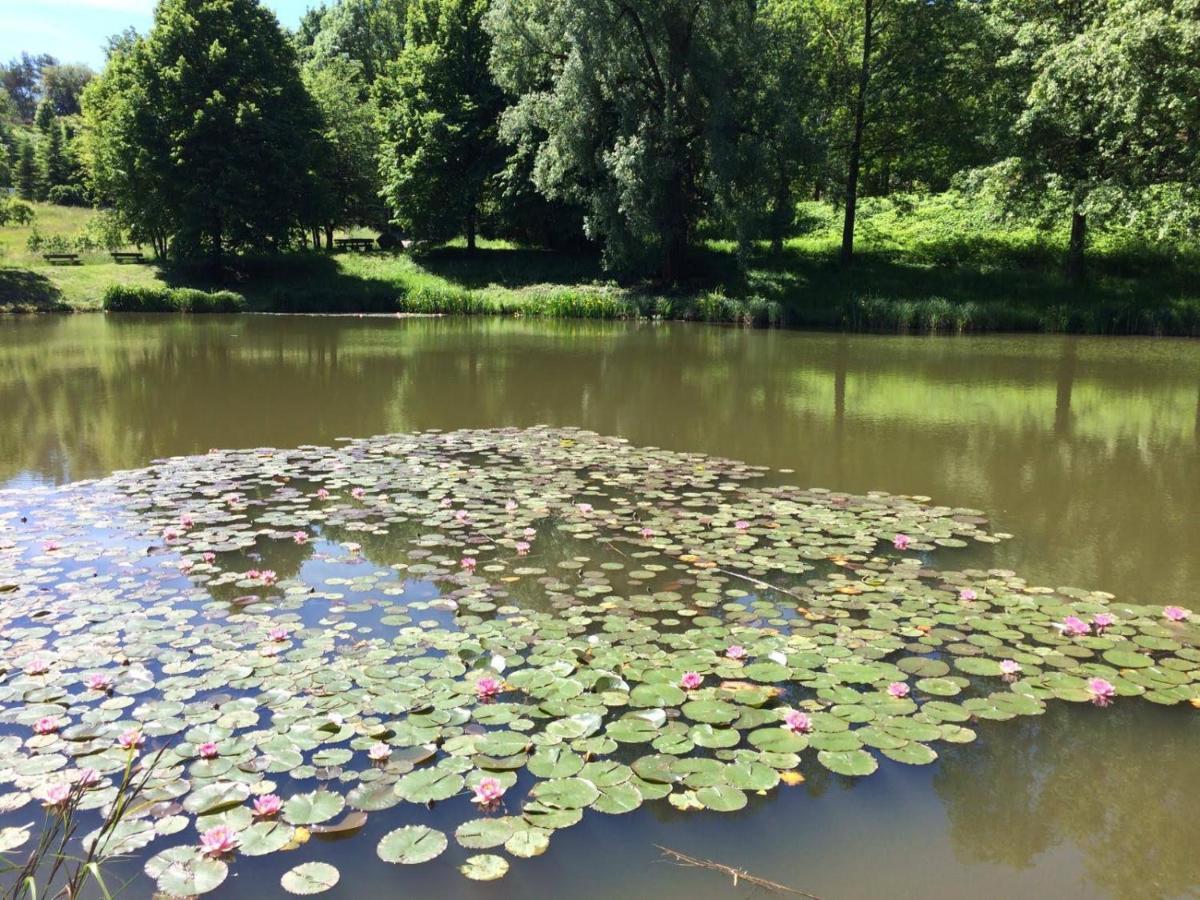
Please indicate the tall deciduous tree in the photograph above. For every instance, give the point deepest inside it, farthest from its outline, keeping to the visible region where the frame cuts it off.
(368, 32)
(438, 117)
(202, 133)
(62, 86)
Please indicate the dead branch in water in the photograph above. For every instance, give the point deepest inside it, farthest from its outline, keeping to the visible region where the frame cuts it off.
(738, 875)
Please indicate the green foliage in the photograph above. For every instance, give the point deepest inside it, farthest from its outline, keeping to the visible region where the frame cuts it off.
(27, 173)
(62, 87)
(121, 298)
(21, 78)
(202, 135)
(13, 212)
(438, 111)
(367, 32)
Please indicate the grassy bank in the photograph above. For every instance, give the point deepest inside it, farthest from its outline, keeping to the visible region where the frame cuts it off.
(932, 267)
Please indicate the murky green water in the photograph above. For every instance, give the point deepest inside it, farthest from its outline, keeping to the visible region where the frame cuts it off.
(1087, 450)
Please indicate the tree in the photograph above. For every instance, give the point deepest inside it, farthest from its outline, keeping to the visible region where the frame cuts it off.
(369, 32)
(348, 172)
(629, 103)
(438, 118)
(62, 86)
(201, 134)
(22, 80)
(5, 167)
(27, 172)
(1111, 107)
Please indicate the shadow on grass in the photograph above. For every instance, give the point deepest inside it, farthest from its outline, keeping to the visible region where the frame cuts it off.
(24, 291)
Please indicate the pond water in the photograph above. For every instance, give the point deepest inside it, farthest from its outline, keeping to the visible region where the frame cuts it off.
(1086, 451)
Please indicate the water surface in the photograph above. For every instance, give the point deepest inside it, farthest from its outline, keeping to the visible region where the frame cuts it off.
(1087, 450)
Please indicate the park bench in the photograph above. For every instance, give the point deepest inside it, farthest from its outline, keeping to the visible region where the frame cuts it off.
(127, 257)
(361, 244)
(61, 259)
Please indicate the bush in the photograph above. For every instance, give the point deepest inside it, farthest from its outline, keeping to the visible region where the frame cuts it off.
(67, 195)
(14, 212)
(123, 298)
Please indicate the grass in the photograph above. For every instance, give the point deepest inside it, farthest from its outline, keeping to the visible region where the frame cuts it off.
(931, 265)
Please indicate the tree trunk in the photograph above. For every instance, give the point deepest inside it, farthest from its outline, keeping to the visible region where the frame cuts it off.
(328, 237)
(860, 110)
(471, 229)
(1077, 247)
(781, 218)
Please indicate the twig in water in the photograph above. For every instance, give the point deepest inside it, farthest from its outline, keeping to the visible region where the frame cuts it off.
(738, 875)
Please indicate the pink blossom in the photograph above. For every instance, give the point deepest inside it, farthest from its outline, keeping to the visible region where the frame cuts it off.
(741, 525)
(1103, 621)
(131, 739)
(186, 565)
(353, 547)
(446, 501)
(486, 688)
(1176, 613)
(171, 534)
(967, 594)
(511, 506)
(45, 725)
(37, 666)
(735, 651)
(468, 563)
(88, 777)
(529, 532)
(358, 493)
(691, 680)
(300, 537)
(253, 574)
(99, 682)
(218, 841)
(898, 689)
(647, 532)
(1009, 667)
(1102, 691)
(379, 752)
(584, 508)
(901, 541)
(186, 521)
(51, 546)
(522, 548)
(488, 791)
(462, 516)
(797, 722)
(1073, 626)
(322, 494)
(278, 634)
(209, 557)
(268, 576)
(56, 794)
(208, 750)
(267, 805)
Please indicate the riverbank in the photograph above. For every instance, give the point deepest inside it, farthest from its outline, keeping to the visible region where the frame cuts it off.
(913, 274)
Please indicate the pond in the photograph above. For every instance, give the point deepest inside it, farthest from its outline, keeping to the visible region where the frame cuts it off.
(1082, 454)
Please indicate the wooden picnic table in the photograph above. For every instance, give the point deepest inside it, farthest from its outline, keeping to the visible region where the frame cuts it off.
(120, 257)
(61, 259)
(362, 244)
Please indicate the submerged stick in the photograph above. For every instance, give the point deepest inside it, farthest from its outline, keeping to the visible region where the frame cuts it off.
(738, 875)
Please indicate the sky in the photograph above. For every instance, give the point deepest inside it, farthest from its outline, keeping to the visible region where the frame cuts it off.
(75, 30)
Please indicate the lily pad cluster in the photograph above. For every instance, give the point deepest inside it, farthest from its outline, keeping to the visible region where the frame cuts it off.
(534, 625)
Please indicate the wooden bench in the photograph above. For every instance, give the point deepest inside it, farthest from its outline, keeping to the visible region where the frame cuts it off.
(61, 259)
(362, 244)
(127, 257)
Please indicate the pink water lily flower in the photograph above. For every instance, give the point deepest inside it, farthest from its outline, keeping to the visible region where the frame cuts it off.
(51, 546)
(797, 722)
(358, 493)
(379, 752)
(967, 594)
(522, 548)
(186, 521)
(99, 682)
(1176, 613)
(735, 651)
(468, 563)
(208, 750)
(278, 634)
(584, 508)
(486, 688)
(1009, 668)
(1073, 626)
(87, 777)
(268, 576)
(647, 532)
(45, 725)
(253, 574)
(529, 532)
(1103, 621)
(322, 494)
(37, 666)
(462, 516)
(1102, 691)
(171, 534)
(898, 689)
(209, 557)
(901, 541)
(186, 565)
(300, 537)
(488, 791)
(131, 739)
(511, 506)
(56, 794)
(691, 680)
(218, 841)
(267, 805)
(741, 525)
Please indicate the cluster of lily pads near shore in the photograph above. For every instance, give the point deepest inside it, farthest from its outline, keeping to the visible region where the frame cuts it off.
(531, 624)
